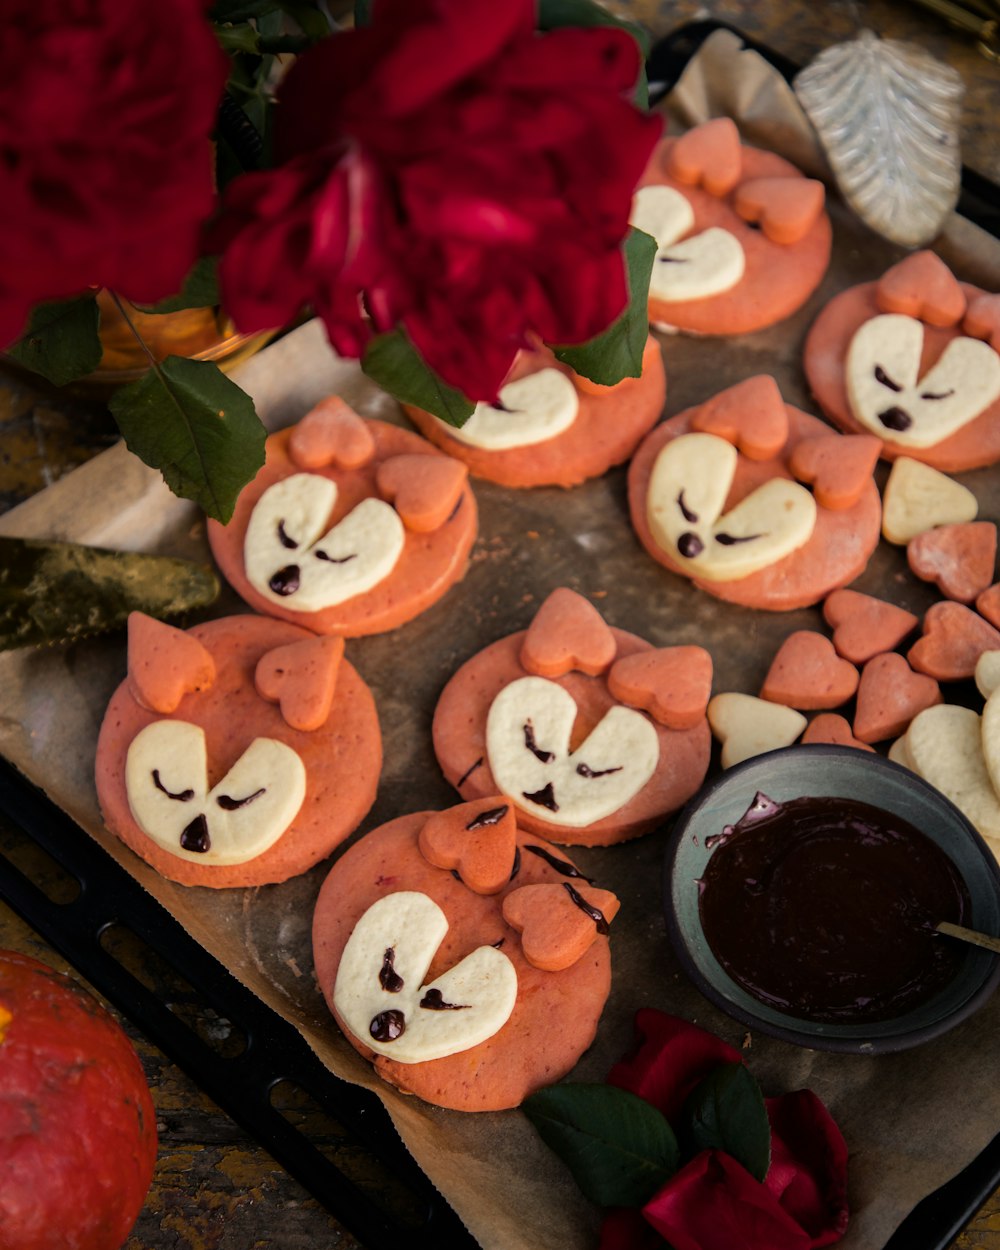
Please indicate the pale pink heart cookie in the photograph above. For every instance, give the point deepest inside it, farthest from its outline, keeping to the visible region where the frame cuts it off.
(673, 684)
(830, 728)
(890, 694)
(302, 679)
(982, 319)
(808, 674)
(953, 639)
(785, 208)
(568, 633)
(332, 433)
(988, 604)
(424, 489)
(837, 466)
(708, 156)
(751, 415)
(165, 663)
(476, 840)
(922, 286)
(864, 626)
(958, 559)
(557, 922)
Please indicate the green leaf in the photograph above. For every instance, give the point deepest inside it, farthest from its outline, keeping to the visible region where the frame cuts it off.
(238, 38)
(726, 1112)
(62, 341)
(394, 363)
(617, 353)
(187, 419)
(555, 13)
(239, 10)
(619, 1148)
(310, 19)
(200, 289)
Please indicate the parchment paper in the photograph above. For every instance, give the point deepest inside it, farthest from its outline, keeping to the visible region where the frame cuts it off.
(911, 1120)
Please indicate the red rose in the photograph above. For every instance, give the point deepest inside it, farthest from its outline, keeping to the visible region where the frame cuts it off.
(106, 113)
(454, 170)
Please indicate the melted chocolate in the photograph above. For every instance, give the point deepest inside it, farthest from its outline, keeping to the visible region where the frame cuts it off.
(485, 819)
(546, 797)
(690, 545)
(387, 1026)
(686, 513)
(284, 538)
(825, 908)
(195, 836)
(594, 913)
(321, 555)
(895, 419)
(546, 757)
(286, 580)
(434, 1000)
(937, 394)
(560, 865)
(730, 540)
(232, 805)
(182, 796)
(468, 773)
(883, 377)
(388, 977)
(586, 771)
(516, 866)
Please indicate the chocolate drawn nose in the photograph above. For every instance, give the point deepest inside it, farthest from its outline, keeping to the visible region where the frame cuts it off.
(895, 419)
(195, 837)
(286, 580)
(690, 545)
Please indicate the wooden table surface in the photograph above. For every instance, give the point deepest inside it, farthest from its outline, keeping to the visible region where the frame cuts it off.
(215, 1189)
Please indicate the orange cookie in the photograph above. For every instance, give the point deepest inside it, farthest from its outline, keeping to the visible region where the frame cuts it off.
(552, 427)
(467, 998)
(588, 757)
(890, 694)
(351, 527)
(743, 528)
(268, 759)
(743, 238)
(864, 626)
(912, 359)
(953, 639)
(808, 674)
(959, 559)
(831, 728)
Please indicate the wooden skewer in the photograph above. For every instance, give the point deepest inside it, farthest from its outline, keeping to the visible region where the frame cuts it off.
(969, 935)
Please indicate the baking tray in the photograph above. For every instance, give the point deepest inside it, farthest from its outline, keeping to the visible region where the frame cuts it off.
(274, 1051)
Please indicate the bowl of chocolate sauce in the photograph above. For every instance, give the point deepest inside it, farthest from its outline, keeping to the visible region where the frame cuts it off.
(802, 891)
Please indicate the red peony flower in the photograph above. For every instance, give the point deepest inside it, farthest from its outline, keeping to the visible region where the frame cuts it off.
(456, 171)
(106, 113)
(713, 1203)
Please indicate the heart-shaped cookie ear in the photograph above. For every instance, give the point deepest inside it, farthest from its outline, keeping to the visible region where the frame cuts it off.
(830, 728)
(958, 559)
(864, 626)
(786, 208)
(982, 320)
(567, 634)
(165, 663)
(425, 490)
(837, 466)
(808, 674)
(890, 694)
(708, 156)
(672, 684)
(751, 415)
(332, 433)
(953, 639)
(301, 677)
(747, 726)
(558, 922)
(477, 840)
(922, 286)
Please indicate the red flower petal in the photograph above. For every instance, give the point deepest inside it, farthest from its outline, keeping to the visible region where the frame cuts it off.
(808, 1173)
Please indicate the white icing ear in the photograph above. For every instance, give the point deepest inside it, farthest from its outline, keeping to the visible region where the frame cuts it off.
(688, 487)
(166, 781)
(380, 993)
(534, 408)
(292, 559)
(528, 732)
(702, 265)
(888, 396)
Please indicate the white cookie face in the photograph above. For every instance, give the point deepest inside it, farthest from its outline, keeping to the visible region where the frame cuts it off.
(688, 487)
(166, 780)
(380, 993)
(531, 410)
(293, 559)
(888, 396)
(528, 733)
(686, 266)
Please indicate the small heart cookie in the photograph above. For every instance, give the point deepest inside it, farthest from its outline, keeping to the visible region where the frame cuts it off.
(808, 674)
(567, 633)
(987, 673)
(982, 320)
(953, 639)
(165, 663)
(988, 604)
(751, 415)
(918, 498)
(708, 156)
(301, 677)
(837, 466)
(747, 726)
(672, 684)
(890, 695)
(828, 727)
(958, 559)
(558, 923)
(786, 208)
(946, 746)
(922, 286)
(478, 840)
(864, 626)
(424, 489)
(332, 433)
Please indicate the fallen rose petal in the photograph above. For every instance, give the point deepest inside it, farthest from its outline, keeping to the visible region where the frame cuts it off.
(808, 1173)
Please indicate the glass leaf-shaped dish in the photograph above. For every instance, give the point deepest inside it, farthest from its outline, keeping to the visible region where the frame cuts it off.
(887, 115)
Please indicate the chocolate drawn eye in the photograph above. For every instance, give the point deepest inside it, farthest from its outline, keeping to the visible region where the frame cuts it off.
(546, 757)
(231, 805)
(284, 537)
(321, 555)
(938, 394)
(686, 513)
(182, 796)
(883, 377)
(730, 540)
(586, 771)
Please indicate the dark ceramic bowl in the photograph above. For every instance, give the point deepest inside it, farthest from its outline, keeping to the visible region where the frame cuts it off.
(836, 772)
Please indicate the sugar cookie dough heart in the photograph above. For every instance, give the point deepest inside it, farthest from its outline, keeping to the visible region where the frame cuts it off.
(830, 728)
(424, 489)
(808, 674)
(567, 633)
(748, 726)
(165, 663)
(751, 415)
(922, 286)
(945, 745)
(890, 695)
(786, 208)
(558, 923)
(477, 840)
(672, 684)
(918, 498)
(864, 626)
(708, 156)
(301, 677)
(381, 997)
(959, 559)
(837, 466)
(331, 433)
(953, 639)
(987, 673)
